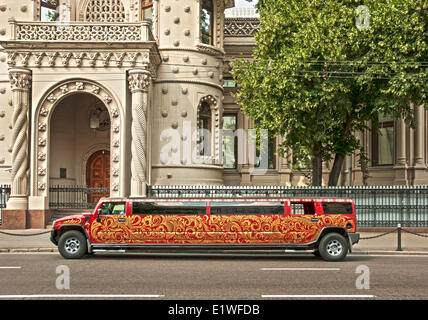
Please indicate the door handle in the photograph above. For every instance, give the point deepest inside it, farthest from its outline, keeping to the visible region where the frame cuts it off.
(121, 220)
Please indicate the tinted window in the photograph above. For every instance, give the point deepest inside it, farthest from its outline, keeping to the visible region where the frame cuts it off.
(299, 208)
(337, 207)
(166, 208)
(112, 208)
(246, 208)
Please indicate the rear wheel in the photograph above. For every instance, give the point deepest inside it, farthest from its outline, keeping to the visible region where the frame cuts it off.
(333, 247)
(72, 245)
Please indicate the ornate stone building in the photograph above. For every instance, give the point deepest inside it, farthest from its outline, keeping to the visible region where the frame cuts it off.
(123, 94)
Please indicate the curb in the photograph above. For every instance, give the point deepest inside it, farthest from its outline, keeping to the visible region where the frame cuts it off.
(27, 250)
(398, 253)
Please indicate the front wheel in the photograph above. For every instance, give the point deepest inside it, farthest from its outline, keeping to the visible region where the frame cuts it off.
(333, 247)
(72, 245)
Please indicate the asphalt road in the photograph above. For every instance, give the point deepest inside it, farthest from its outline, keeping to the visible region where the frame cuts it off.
(182, 277)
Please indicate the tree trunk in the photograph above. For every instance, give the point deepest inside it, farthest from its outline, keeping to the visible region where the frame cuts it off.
(316, 166)
(339, 159)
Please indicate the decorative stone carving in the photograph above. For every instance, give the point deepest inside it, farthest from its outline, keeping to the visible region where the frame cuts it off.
(105, 11)
(64, 89)
(41, 156)
(42, 142)
(20, 80)
(114, 113)
(241, 27)
(95, 89)
(42, 126)
(51, 98)
(107, 99)
(44, 112)
(79, 86)
(139, 81)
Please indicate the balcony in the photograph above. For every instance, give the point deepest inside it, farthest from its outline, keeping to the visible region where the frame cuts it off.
(80, 44)
(81, 31)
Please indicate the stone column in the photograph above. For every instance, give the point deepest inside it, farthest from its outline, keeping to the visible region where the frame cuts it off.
(419, 159)
(419, 136)
(400, 154)
(139, 83)
(245, 171)
(20, 80)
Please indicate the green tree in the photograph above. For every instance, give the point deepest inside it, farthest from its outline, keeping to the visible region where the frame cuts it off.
(323, 69)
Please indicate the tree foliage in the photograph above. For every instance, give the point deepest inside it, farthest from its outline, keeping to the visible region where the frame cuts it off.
(323, 70)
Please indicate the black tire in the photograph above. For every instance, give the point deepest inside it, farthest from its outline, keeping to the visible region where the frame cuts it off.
(72, 245)
(333, 247)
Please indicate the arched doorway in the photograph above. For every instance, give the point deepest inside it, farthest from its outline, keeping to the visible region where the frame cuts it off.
(98, 174)
(79, 122)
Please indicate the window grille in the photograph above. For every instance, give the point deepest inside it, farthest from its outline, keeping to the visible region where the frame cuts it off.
(105, 11)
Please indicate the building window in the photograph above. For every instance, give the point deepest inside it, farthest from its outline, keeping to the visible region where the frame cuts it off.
(147, 8)
(269, 153)
(105, 11)
(264, 156)
(48, 10)
(204, 129)
(229, 83)
(230, 141)
(207, 22)
(383, 142)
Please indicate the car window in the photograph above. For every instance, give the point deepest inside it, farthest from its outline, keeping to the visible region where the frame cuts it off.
(300, 208)
(337, 207)
(113, 208)
(246, 208)
(169, 208)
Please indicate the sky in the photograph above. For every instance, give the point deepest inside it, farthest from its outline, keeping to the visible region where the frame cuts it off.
(245, 4)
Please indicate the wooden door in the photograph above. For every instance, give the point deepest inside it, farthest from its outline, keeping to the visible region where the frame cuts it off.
(98, 175)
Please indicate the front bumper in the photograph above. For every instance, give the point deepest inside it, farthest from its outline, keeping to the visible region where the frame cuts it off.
(53, 237)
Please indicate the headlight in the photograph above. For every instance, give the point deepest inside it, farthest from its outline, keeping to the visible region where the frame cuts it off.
(53, 224)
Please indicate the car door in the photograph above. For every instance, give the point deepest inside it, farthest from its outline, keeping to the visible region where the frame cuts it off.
(303, 222)
(111, 224)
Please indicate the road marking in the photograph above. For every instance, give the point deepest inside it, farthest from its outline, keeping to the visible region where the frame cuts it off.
(10, 267)
(300, 269)
(39, 296)
(314, 296)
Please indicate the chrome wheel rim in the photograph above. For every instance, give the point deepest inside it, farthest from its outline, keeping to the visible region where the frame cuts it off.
(72, 245)
(334, 248)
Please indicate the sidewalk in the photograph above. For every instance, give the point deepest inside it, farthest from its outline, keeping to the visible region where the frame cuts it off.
(411, 244)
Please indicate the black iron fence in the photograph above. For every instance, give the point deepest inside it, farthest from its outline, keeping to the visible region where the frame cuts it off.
(75, 197)
(4, 195)
(376, 206)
